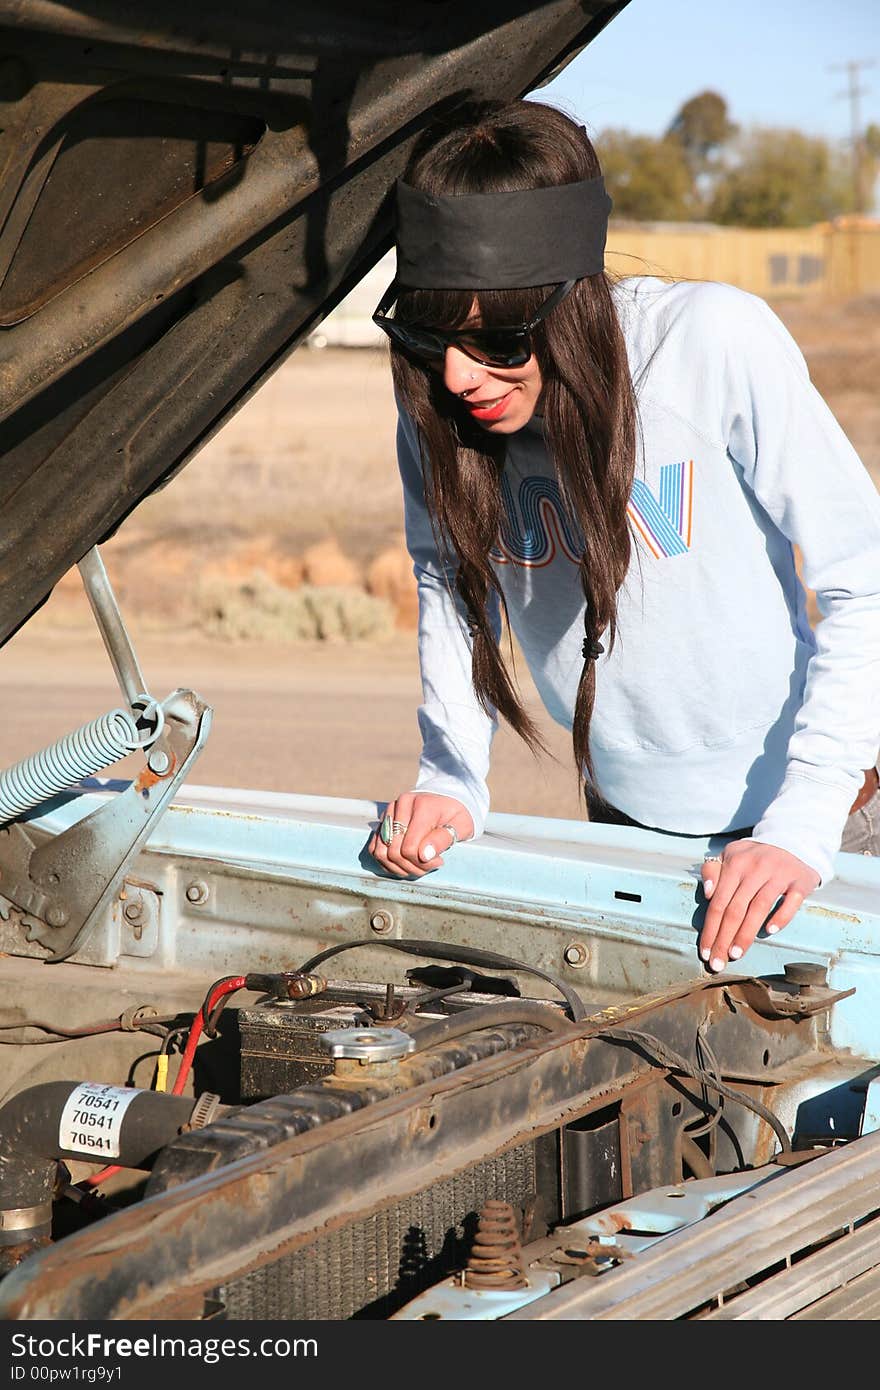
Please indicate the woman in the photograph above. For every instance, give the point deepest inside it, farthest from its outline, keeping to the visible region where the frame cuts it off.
(624, 468)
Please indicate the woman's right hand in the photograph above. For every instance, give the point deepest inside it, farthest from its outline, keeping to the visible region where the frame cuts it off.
(426, 839)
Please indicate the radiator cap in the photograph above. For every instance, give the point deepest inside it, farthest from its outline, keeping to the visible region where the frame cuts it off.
(368, 1044)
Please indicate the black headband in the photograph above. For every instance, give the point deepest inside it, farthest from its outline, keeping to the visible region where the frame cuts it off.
(497, 241)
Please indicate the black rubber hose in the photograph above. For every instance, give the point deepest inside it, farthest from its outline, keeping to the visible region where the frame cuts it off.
(444, 1030)
(30, 1143)
(459, 955)
(657, 1051)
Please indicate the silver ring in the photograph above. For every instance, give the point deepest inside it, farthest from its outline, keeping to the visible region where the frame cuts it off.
(453, 832)
(712, 859)
(390, 828)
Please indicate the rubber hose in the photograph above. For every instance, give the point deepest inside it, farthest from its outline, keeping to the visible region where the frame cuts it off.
(30, 1142)
(473, 1020)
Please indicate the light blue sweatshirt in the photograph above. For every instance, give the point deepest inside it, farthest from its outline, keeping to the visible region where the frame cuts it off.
(718, 707)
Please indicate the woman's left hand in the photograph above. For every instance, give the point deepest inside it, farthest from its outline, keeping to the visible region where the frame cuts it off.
(744, 887)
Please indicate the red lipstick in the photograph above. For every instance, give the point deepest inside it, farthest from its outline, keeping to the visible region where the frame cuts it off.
(490, 412)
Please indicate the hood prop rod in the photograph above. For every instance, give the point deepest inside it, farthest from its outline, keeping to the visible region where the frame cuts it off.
(65, 884)
(99, 592)
(97, 745)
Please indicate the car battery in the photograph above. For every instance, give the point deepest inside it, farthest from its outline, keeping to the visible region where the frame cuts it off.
(281, 1039)
(281, 1043)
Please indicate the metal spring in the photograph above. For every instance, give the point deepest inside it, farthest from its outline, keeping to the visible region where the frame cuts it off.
(82, 753)
(496, 1258)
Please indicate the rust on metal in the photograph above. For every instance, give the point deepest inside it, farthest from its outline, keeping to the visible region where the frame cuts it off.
(304, 986)
(146, 779)
(620, 1222)
(611, 1222)
(817, 910)
(775, 997)
(213, 1227)
(594, 1252)
(496, 1260)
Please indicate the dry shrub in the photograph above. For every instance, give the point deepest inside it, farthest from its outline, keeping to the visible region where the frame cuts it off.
(391, 577)
(348, 614)
(258, 609)
(325, 565)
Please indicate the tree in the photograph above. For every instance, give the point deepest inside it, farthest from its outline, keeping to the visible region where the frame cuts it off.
(648, 179)
(781, 178)
(702, 127)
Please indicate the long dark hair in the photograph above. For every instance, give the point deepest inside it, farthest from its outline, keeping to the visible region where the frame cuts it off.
(587, 399)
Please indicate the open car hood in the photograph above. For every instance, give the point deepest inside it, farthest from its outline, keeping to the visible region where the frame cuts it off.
(186, 190)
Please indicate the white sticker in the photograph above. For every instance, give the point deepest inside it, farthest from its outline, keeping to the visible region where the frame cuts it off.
(91, 1121)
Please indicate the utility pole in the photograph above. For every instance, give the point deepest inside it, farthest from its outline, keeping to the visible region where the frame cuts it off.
(854, 91)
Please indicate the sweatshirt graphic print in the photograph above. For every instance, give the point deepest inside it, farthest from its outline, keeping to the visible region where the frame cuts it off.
(718, 707)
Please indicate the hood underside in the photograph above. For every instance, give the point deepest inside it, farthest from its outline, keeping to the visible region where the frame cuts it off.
(185, 191)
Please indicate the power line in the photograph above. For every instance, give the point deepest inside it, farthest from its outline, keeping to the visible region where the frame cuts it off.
(854, 92)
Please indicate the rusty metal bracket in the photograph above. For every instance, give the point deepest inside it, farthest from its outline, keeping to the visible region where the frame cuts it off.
(63, 883)
(802, 991)
(592, 1257)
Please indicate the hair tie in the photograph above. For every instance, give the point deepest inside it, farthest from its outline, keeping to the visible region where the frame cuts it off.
(591, 650)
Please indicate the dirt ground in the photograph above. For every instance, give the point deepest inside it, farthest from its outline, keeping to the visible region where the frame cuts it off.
(327, 720)
(310, 461)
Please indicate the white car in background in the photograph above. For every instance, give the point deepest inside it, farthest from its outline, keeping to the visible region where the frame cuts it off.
(351, 324)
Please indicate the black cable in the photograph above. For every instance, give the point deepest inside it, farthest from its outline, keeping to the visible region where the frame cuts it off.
(214, 1019)
(704, 1049)
(170, 1038)
(459, 955)
(482, 1016)
(206, 1021)
(675, 1062)
(433, 996)
(374, 1009)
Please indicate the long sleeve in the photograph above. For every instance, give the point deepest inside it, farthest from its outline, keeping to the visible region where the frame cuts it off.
(806, 476)
(456, 732)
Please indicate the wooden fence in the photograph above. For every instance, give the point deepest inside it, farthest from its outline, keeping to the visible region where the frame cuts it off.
(840, 261)
(837, 260)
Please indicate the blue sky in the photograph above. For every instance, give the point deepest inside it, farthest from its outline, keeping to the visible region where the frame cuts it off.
(768, 58)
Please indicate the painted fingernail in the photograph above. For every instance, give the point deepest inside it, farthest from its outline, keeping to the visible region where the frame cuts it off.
(428, 853)
(708, 886)
(735, 952)
(717, 963)
(772, 930)
(704, 954)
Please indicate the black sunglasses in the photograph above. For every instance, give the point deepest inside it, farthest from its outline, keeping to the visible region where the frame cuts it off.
(493, 347)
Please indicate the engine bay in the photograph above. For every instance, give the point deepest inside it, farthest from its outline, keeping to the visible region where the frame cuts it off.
(407, 1125)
